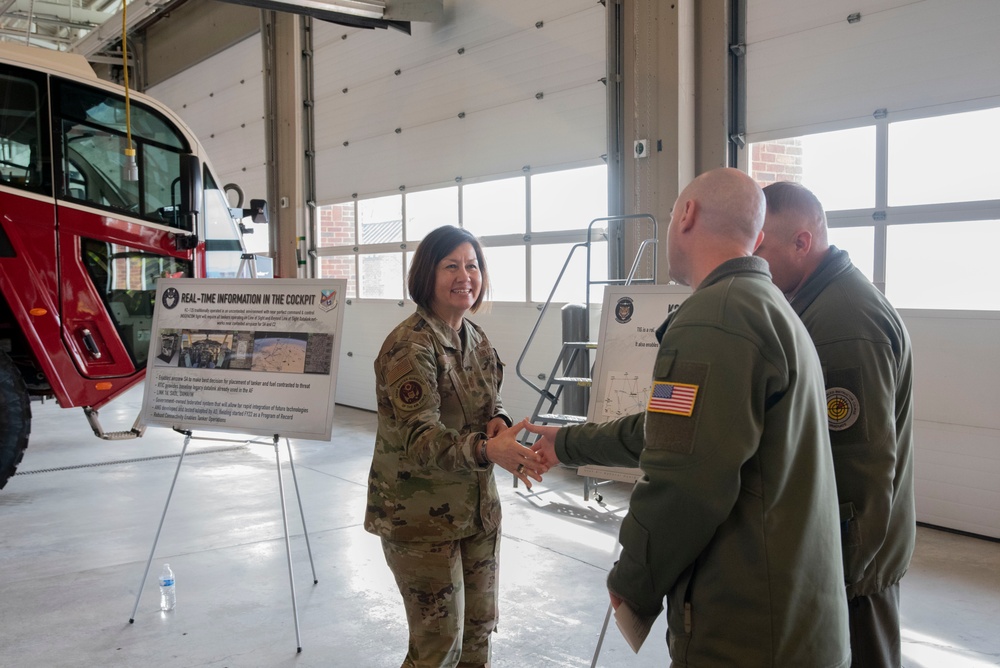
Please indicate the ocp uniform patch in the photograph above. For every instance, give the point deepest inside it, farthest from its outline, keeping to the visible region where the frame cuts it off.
(399, 370)
(409, 395)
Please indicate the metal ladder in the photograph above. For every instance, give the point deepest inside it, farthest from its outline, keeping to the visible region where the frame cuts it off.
(569, 357)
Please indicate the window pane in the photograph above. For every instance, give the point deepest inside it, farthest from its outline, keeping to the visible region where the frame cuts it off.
(548, 260)
(126, 280)
(341, 266)
(336, 225)
(382, 276)
(859, 242)
(381, 219)
(508, 273)
(21, 154)
(93, 162)
(839, 167)
(430, 209)
(569, 199)
(943, 265)
(944, 159)
(97, 107)
(494, 207)
(161, 169)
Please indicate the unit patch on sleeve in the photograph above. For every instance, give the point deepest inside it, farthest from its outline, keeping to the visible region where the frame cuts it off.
(842, 408)
(673, 398)
(410, 394)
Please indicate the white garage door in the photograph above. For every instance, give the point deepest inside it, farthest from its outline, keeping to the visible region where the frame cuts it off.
(888, 110)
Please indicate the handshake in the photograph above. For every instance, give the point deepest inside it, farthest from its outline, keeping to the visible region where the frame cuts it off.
(503, 449)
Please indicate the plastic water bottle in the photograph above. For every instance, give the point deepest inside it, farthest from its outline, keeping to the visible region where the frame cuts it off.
(168, 589)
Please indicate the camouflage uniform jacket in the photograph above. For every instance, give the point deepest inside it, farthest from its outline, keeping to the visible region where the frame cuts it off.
(436, 390)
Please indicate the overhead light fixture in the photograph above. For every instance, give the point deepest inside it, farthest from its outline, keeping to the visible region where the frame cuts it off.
(354, 13)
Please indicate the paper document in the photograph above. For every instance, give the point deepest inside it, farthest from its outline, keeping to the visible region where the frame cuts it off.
(633, 627)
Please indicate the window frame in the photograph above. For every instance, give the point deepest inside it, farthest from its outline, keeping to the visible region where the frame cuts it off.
(528, 238)
(881, 215)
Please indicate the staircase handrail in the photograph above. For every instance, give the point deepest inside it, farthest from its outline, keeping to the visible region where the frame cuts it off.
(626, 281)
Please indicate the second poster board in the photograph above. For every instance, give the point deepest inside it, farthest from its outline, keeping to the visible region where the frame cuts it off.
(626, 351)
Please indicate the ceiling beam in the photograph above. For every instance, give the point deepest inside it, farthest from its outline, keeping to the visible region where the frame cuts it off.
(111, 30)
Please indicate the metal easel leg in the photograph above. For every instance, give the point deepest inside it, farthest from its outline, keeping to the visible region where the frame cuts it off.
(302, 514)
(288, 546)
(600, 640)
(145, 573)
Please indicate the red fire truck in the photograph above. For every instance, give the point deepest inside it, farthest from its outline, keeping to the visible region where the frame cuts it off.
(85, 234)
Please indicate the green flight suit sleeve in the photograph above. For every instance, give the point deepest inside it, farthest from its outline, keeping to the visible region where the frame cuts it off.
(614, 443)
(861, 378)
(692, 464)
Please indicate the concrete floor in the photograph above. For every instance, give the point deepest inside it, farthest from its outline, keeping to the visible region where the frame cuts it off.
(77, 524)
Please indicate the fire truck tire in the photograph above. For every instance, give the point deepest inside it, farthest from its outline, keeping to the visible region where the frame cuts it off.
(15, 418)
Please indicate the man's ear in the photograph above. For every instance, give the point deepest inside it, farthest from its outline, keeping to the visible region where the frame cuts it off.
(687, 216)
(760, 238)
(803, 242)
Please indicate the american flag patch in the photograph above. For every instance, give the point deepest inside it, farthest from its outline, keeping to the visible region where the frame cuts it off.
(674, 398)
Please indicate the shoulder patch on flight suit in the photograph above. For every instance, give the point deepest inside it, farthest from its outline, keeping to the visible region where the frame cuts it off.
(673, 398)
(410, 395)
(842, 408)
(671, 421)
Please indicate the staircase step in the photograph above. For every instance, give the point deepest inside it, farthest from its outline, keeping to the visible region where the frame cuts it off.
(571, 380)
(557, 418)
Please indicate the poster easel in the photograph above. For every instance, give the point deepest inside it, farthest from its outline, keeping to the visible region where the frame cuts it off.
(188, 437)
(248, 356)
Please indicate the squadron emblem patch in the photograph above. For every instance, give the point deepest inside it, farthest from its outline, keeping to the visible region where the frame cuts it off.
(410, 393)
(842, 408)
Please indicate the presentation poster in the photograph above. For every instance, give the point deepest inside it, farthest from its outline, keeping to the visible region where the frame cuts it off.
(627, 346)
(252, 356)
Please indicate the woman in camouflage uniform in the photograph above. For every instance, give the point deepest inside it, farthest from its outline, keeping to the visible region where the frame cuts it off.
(441, 428)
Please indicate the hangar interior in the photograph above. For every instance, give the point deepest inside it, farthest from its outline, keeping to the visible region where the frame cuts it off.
(520, 121)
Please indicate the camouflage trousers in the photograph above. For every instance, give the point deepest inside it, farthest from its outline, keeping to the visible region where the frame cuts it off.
(449, 592)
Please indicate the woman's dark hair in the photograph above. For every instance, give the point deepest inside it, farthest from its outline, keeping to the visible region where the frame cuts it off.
(434, 248)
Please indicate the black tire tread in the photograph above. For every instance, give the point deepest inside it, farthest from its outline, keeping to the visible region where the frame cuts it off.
(15, 418)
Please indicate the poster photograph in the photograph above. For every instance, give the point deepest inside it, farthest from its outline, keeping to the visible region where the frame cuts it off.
(245, 355)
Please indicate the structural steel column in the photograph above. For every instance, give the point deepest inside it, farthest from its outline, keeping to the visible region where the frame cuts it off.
(675, 96)
(281, 37)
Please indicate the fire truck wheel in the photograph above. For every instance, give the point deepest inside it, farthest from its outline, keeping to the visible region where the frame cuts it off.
(15, 418)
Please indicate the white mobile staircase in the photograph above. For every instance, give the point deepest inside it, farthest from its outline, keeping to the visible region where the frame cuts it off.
(574, 356)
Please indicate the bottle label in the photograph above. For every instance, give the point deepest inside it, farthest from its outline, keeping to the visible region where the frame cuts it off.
(166, 583)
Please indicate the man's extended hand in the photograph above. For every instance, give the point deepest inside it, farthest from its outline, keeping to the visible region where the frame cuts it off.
(545, 446)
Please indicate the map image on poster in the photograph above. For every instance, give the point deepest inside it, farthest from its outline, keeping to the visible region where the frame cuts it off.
(625, 393)
(282, 353)
(245, 355)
